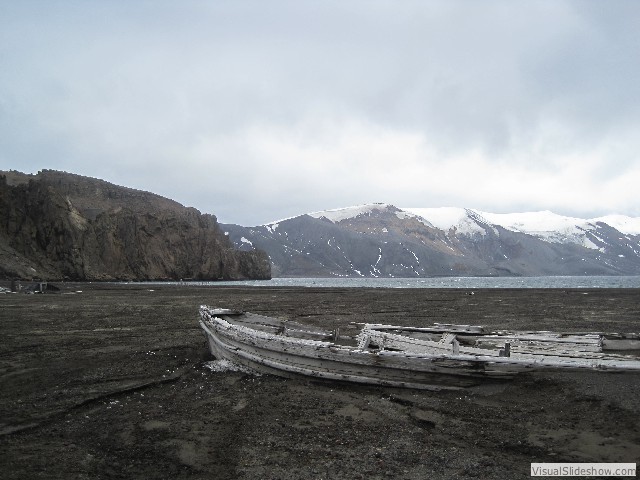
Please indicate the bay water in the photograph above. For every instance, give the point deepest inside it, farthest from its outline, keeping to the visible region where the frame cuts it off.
(442, 282)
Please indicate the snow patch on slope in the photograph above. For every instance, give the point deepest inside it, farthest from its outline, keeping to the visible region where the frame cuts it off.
(339, 214)
(446, 218)
(622, 223)
(443, 218)
(405, 214)
(538, 222)
(546, 225)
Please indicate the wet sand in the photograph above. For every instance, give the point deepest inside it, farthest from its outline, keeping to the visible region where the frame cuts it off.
(112, 383)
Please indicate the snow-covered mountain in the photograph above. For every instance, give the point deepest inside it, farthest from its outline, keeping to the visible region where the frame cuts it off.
(381, 240)
(545, 225)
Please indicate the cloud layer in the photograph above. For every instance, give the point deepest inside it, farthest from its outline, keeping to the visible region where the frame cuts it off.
(259, 110)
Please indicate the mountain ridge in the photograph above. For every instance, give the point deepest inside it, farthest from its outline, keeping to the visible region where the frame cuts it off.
(383, 240)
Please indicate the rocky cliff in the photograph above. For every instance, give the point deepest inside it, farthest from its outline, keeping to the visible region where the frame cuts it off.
(56, 225)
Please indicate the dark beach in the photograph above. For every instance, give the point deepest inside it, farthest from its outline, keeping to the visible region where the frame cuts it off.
(112, 383)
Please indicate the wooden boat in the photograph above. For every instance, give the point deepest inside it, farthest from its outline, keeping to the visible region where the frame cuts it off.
(435, 357)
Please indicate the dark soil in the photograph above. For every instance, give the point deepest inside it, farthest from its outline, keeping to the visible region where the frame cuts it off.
(112, 383)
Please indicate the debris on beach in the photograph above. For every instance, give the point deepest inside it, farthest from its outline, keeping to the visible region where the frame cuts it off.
(224, 365)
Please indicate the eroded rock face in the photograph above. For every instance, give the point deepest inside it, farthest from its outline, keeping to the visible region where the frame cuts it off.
(57, 225)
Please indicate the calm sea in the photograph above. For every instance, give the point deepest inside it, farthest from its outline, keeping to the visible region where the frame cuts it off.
(443, 282)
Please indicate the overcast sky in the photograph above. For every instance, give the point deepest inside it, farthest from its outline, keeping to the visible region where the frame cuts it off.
(260, 110)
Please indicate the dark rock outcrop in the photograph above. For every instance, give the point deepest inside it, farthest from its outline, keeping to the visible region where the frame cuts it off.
(56, 225)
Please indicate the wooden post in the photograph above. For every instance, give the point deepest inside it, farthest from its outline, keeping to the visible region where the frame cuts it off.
(506, 351)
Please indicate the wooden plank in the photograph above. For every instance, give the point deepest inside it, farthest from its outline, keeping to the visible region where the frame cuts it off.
(436, 328)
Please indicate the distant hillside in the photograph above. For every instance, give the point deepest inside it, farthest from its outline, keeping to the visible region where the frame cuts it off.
(381, 240)
(56, 225)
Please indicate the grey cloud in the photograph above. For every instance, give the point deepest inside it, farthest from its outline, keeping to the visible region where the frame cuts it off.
(131, 90)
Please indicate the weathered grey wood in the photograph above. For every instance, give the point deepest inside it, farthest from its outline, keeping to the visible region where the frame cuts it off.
(621, 341)
(410, 344)
(436, 328)
(472, 333)
(395, 359)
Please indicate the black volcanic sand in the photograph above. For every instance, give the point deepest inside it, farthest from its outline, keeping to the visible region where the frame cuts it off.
(111, 383)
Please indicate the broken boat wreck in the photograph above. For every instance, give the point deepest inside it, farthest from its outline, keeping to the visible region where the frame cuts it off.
(434, 357)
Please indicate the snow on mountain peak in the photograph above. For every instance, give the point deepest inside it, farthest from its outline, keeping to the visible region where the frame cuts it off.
(622, 223)
(535, 222)
(441, 217)
(339, 214)
(546, 225)
(445, 218)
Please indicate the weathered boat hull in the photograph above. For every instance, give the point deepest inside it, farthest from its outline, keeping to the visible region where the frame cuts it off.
(323, 360)
(304, 351)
